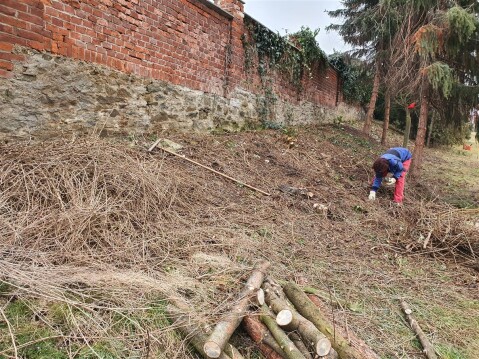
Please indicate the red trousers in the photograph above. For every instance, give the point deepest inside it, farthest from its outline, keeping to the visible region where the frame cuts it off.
(401, 181)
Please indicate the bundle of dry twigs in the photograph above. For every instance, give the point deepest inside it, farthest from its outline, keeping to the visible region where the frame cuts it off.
(79, 217)
(442, 228)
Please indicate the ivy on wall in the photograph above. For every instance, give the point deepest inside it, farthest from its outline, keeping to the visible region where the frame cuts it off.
(356, 79)
(293, 55)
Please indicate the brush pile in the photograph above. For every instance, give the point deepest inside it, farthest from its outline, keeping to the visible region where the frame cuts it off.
(439, 228)
(79, 217)
(82, 202)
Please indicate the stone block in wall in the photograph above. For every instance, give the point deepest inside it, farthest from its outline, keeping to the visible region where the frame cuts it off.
(50, 95)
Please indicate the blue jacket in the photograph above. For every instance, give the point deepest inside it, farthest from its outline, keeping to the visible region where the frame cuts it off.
(395, 156)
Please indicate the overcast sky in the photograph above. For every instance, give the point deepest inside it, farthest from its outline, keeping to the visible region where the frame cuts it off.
(290, 15)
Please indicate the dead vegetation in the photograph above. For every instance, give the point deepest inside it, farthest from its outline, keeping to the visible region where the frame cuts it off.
(98, 236)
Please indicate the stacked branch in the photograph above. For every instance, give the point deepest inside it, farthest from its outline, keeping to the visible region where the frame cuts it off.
(310, 311)
(288, 318)
(298, 342)
(227, 325)
(196, 337)
(262, 338)
(353, 340)
(290, 350)
(299, 329)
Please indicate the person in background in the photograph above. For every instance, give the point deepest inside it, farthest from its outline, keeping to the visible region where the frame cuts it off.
(396, 161)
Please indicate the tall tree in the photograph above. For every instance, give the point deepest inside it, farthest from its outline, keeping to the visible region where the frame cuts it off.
(407, 130)
(431, 57)
(374, 97)
(368, 27)
(429, 49)
(437, 42)
(387, 113)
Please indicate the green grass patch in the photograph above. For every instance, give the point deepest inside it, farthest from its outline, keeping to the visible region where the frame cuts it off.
(17, 313)
(28, 330)
(153, 317)
(5, 288)
(36, 339)
(66, 317)
(111, 349)
(40, 349)
(450, 352)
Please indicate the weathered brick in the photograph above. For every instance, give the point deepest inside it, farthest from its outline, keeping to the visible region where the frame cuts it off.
(6, 73)
(7, 10)
(39, 12)
(12, 39)
(57, 22)
(29, 35)
(30, 18)
(6, 65)
(6, 28)
(57, 4)
(7, 56)
(5, 46)
(14, 4)
(36, 45)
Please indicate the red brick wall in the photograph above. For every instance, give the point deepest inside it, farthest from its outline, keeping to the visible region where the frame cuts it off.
(183, 42)
(321, 88)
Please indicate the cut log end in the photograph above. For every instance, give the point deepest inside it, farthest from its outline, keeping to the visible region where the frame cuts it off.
(284, 317)
(212, 350)
(405, 307)
(260, 296)
(323, 347)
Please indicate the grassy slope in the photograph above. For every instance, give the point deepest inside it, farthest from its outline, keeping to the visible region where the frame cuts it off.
(456, 175)
(355, 251)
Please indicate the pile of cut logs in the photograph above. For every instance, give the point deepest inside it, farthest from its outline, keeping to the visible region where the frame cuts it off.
(282, 320)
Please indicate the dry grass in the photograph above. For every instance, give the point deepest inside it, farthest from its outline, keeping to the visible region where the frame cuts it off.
(80, 217)
(97, 235)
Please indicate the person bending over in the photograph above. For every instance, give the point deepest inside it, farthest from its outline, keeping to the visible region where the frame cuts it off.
(396, 160)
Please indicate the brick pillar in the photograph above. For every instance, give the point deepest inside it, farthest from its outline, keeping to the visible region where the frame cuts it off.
(235, 54)
(234, 7)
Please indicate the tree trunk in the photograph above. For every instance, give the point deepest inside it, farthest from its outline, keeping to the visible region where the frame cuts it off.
(387, 113)
(282, 339)
(309, 310)
(426, 344)
(262, 337)
(183, 324)
(291, 320)
(227, 325)
(431, 125)
(407, 131)
(421, 131)
(372, 101)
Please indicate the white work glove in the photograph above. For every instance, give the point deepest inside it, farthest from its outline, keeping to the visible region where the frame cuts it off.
(391, 181)
(372, 195)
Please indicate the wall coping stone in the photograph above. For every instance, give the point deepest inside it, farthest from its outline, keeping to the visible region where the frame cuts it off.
(216, 8)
